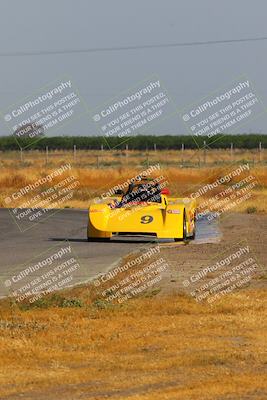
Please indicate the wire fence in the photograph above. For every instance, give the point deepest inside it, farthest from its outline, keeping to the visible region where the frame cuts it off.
(103, 158)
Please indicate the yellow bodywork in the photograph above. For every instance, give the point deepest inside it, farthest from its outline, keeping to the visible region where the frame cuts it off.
(167, 219)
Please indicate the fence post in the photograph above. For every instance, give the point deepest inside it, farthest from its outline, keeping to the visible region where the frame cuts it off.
(74, 152)
(126, 153)
(182, 150)
(147, 162)
(232, 151)
(260, 151)
(46, 154)
(155, 146)
(21, 155)
(205, 152)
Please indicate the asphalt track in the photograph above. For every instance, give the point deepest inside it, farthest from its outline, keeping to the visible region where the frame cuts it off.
(68, 226)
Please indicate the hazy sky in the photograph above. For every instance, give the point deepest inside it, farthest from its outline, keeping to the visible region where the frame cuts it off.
(189, 73)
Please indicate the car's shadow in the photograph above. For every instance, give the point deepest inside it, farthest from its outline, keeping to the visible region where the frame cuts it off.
(112, 241)
(68, 240)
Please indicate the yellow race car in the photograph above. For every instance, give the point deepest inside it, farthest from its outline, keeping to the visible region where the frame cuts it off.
(144, 209)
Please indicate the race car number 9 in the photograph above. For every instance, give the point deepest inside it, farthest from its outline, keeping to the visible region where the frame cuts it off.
(146, 219)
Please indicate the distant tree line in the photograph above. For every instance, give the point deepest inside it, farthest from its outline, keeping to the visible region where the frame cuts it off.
(164, 142)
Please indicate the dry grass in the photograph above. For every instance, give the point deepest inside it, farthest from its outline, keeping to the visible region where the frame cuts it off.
(161, 348)
(75, 345)
(94, 181)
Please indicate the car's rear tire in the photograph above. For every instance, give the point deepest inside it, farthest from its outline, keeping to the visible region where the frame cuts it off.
(184, 230)
(194, 231)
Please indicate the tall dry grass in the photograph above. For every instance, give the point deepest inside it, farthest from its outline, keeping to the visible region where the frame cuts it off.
(94, 181)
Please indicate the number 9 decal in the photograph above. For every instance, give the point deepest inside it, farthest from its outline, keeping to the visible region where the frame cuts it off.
(146, 219)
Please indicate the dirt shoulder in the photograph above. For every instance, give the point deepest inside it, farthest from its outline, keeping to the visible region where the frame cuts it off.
(204, 269)
(238, 230)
